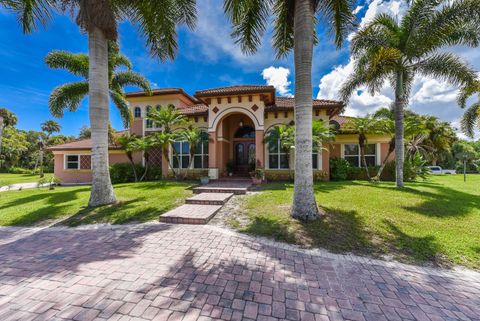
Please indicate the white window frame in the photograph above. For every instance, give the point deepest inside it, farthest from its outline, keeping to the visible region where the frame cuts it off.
(134, 111)
(65, 162)
(278, 154)
(148, 121)
(359, 154)
(180, 159)
(202, 155)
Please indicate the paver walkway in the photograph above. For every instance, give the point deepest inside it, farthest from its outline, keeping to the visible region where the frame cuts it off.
(184, 272)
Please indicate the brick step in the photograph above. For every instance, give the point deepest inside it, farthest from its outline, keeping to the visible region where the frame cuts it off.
(209, 198)
(190, 214)
(232, 190)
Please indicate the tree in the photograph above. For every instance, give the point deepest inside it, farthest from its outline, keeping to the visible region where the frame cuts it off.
(128, 144)
(195, 138)
(156, 21)
(294, 28)
(167, 118)
(70, 96)
(386, 49)
(165, 140)
(363, 127)
(471, 118)
(85, 133)
(439, 138)
(48, 128)
(7, 118)
(144, 145)
(285, 134)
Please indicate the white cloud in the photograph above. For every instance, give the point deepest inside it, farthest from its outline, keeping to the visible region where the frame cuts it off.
(278, 78)
(429, 95)
(357, 9)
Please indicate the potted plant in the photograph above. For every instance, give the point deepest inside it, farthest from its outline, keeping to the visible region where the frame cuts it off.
(230, 166)
(258, 176)
(204, 180)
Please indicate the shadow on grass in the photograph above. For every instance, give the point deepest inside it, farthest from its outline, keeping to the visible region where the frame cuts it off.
(443, 201)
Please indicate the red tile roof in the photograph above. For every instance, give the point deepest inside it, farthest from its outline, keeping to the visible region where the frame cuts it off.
(235, 90)
(288, 103)
(198, 109)
(83, 144)
(161, 91)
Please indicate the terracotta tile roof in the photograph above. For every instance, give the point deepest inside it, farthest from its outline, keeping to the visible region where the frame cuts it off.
(340, 119)
(235, 90)
(198, 109)
(161, 91)
(82, 144)
(288, 103)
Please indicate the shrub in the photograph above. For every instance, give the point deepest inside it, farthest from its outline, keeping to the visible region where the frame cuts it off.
(339, 169)
(123, 173)
(19, 170)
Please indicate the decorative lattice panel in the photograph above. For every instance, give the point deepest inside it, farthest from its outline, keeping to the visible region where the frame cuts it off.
(85, 162)
(155, 157)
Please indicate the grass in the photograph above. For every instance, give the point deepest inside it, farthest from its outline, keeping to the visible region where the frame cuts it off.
(8, 179)
(434, 221)
(138, 202)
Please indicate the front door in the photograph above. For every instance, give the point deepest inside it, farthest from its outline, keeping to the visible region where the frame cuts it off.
(244, 154)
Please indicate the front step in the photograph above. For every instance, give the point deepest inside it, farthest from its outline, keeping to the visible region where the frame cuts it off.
(222, 190)
(209, 198)
(190, 214)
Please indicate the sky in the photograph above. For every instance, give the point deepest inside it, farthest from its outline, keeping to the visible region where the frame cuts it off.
(207, 58)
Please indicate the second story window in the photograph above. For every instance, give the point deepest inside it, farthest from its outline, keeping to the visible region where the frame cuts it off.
(149, 123)
(137, 113)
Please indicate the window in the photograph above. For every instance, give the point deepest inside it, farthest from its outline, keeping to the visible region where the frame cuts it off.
(200, 159)
(180, 155)
(352, 154)
(277, 159)
(72, 162)
(245, 132)
(137, 112)
(315, 157)
(149, 123)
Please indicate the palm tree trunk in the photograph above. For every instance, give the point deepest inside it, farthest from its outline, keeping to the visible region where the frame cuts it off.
(130, 158)
(399, 131)
(40, 160)
(391, 148)
(362, 156)
(304, 205)
(165, 154)
(192, 155)
(147, 159)
(102, 190)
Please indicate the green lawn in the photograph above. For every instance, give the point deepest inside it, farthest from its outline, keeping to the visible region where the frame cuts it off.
(8, 179)
(437, 220)
(138, 202)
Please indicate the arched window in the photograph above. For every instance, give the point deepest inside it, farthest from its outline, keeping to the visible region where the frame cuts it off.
(137, 113)
(149, 122)
(245, 132)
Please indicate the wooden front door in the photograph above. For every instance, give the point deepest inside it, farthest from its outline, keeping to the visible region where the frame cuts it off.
(244, 157)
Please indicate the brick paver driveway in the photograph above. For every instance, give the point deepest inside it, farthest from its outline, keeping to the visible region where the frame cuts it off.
(164, 272)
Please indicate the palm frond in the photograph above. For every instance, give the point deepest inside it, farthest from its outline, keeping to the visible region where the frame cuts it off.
(447, 66)
(129, 78)
(31, 13)
(338, 17)
(382, 31)
(467, 91)
(470, 120)
(249, 20)
(122, 60)
(77, 64)
(123, 107)
(283, 27)
(68, 96)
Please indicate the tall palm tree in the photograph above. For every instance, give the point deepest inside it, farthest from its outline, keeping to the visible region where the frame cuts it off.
(48, 128)
(128, 144)
(363, 127)
(471, 118)
(387, 49)
(294, 28)
(195, 138)
(157, 22)
(7, 118)
(69, 96)
(285, 134)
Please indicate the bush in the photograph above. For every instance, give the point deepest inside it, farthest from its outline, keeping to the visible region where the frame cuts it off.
(19, 170)
(339, 169)
(412, 169)
(123, 173)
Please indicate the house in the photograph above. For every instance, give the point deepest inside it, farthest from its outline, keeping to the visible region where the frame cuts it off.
(236, 119)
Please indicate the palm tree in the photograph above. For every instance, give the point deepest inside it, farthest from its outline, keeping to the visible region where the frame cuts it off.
(144, 145)
(386, 49)
(165, 140)
(294, 28)
(439, 138)
(48, 128)
(195, 138)
(386, 125)
(285, 134)
(157, 22)
(363, 127)
(7, 118)
(127, 143)
(471, 118)
(69, 96)
(167, 118)
(322, 133)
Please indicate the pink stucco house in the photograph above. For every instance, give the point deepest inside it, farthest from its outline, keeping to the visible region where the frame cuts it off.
(236, 119)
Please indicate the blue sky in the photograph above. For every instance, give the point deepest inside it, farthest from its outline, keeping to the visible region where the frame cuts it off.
(207, 58)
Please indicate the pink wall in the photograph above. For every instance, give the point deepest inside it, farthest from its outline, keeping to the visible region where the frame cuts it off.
(81, 176)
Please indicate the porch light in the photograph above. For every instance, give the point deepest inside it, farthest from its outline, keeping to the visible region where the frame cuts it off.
(241, 124)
